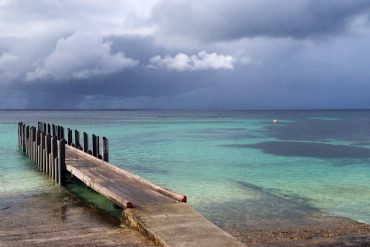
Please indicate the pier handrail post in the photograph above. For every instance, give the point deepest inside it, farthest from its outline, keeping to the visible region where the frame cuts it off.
(27, 138)
(105, 149)
(42, 158)
(53, 132)
(58, 132)
(94, 145)
(54, 155)
(19, 134)
(34, 143)
(47, 152)
(61, 162)
(38, 142)
(62, 132)
(98, 155)
(24, 138)
(30, 143)
(69, 136)
(86, 142)
(77, 139)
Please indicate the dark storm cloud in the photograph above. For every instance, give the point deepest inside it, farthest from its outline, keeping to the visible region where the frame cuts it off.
(185, 54)
(138, 82)
(228, 20)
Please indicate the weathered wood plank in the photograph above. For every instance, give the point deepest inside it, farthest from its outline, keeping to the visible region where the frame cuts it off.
(118, 185)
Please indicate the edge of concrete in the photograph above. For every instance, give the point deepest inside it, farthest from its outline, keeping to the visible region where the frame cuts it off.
(177, 225)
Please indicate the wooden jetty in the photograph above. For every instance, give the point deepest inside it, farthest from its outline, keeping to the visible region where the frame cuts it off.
(159, 213)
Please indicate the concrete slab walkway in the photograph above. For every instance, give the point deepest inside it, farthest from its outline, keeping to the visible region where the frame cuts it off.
(177, 225)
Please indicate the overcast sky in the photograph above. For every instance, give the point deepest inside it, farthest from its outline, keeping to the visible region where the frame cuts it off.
(207, 54)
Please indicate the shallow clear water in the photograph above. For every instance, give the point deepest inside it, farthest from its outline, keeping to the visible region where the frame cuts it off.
(232, 165)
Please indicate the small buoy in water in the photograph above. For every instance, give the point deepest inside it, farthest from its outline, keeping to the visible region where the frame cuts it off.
(275, 121)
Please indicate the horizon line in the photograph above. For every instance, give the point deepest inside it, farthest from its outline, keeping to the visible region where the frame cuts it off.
(180, 109)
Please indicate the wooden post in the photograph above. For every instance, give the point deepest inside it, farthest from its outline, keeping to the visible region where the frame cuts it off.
(46, 157)
(38, 147)
(48, 151)
(69, 138)
(34, 144)
(86, 143)
(24, 138)
(77, 139)
(94, 152)
(27, 137)
(19, 134)
(49, 129)
(49, 155)
(44, 128)
(61, 162)
(98, 147)
(53, 130)
(54, 155)
(62, 132)
(42, 167)
(56, 165)
(105, 149)
(30, 144)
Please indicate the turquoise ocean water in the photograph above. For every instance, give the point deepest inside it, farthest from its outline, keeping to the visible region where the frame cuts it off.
(234, 166)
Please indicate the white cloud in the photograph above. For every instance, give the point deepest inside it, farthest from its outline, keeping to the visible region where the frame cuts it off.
(80, 56)
(28, 19)
(200, 61)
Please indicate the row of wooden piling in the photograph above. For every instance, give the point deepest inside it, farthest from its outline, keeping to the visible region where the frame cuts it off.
(45, 149)
(46, 146)
(73, 139)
